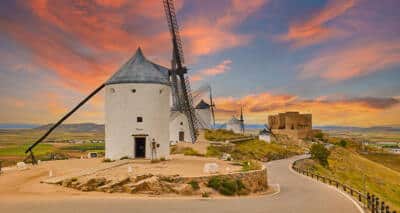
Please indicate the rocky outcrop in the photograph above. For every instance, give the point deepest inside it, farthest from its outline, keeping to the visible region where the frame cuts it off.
(253, 181)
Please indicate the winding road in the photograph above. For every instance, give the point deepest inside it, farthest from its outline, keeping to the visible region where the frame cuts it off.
(297, 194)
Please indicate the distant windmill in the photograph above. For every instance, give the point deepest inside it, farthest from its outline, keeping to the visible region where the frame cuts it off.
(241, 120)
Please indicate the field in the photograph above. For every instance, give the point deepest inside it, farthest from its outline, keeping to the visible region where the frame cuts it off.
(13, 144)
(389, 160)
(372, 136)
(350, 168)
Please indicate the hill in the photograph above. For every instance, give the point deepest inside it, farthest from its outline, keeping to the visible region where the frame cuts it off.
(350, 168)
(78, 127)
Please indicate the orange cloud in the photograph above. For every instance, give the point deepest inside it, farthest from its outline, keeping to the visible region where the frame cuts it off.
(353, 61)
(84, 42)
(314, 29)
(211, 33)
(365, 111)
(111, 3)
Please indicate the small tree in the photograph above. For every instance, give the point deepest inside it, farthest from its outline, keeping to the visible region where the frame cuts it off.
(319, 135)
(320, 153)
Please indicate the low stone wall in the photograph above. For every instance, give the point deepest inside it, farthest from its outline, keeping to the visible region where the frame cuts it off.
(254, 181)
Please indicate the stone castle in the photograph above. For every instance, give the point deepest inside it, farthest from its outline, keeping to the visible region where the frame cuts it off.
(292, 124)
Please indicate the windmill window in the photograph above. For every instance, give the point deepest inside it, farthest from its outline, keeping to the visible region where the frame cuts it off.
(139, 119)
(133, 90)
(161, 91)
(112, 90)
(181, 123)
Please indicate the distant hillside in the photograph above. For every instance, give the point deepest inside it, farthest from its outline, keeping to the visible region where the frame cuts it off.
(81, 127)
(18, 126)
(359, 129)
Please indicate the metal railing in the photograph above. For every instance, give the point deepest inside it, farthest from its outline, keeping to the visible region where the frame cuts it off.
(369, 201)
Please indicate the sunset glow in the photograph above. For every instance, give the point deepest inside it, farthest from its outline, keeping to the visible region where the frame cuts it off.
(336, 59)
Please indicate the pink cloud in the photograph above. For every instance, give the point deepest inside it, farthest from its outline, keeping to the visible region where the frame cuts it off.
(222, 67)
(314, 29)
(360, 59)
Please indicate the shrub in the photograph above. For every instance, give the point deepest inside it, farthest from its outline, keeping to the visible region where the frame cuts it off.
(194, 184)
(343, 143)
(107, 160)
(320, 153)
(319, 135)
(162, 159)
(227, 186)
(214, 182)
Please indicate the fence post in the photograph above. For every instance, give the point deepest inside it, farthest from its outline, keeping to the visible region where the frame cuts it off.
(337, 184)
(387, 209)
(377, 204)
(0, 165)
(373, 203)
(382, 206)
(368, 200)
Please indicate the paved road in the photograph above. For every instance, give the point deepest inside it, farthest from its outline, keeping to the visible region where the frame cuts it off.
(297, 194)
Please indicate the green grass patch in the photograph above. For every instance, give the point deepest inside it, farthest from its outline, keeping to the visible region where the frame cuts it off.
(19, 150)
(85, 147)
(221, 135)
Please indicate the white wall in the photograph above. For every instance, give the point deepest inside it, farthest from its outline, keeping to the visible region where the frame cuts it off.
(205, 117)
(122, 107)
(266, 138)
(235, 127)
(175, 127)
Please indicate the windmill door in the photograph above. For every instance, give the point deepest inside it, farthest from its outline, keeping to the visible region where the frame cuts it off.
(140, 147)
(181, 135)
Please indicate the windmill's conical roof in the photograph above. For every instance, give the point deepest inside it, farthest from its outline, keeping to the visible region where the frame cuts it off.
(140, 70)
(202, 105)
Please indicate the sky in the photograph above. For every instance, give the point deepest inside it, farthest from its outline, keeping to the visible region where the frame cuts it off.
(336, 59)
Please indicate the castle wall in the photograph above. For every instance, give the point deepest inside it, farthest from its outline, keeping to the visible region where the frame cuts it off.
(292, 124)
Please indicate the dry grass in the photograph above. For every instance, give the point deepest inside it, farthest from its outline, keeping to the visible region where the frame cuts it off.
(256, 150)
(349, 167)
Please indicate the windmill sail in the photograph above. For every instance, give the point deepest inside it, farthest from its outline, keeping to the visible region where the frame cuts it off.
(184, 100)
